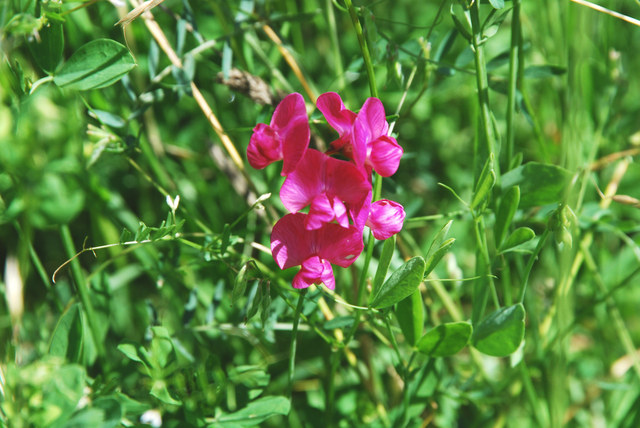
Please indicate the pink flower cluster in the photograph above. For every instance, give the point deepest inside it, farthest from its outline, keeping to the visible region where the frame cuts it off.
(336, 192)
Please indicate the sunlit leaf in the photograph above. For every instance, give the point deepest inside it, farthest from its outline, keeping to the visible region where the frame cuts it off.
(94, 65)
(445, 339)
(402, 283)
(501, 333)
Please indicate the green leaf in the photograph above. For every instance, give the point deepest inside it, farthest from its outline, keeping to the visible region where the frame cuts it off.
(47, 47)
(66, 340)
(542, 71)
(540, 184)
(388, 247)
(518, 237)
(345, 321)
(497, 4)
(446, 339)
(402, 283)
(461, 20)
(160, 391)
(249, 376)
(130, 351)
(256, 412)
(240, 284)
(439, 239)
(96, 64)
(433, 261)
(506, 210)
(410, 314)
(438, 248)
(485, 183)
(501, 333)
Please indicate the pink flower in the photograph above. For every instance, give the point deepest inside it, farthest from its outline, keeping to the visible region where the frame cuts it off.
(339, 118)
(362, 137)
(333, 189)
(292, 244)
(372, 147)
(385, 218)
(286, 137)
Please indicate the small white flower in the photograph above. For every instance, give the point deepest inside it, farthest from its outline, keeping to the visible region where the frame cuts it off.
(152, 417)
(173, 203)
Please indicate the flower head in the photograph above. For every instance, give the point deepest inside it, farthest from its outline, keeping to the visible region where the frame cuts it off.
(292, 244)
(286, 137)
(385, 218)
(363, 137)
(333, 189)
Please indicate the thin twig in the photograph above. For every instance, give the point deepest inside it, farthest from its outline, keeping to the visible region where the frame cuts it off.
(608, 12)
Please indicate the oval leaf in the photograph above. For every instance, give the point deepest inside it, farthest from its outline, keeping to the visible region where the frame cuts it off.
(256, 412)
(96, 64)
(501, 333)
(402, 283)
(410, 314)
(47, 49)
(518, 237)
(446, 339)
(66, 340)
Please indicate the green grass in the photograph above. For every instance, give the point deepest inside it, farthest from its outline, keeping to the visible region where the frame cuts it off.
(204, 327)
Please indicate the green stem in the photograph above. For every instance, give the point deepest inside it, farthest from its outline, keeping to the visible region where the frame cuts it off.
(514, 56)
(363, 47)
(484, 268)
(294, 340)
(530, 263)
(333, 34)
(487, 133)
(83, 290)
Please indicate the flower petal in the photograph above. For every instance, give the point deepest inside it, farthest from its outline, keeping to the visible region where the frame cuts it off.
(385, 218)
(305, 182)
(264, 146)
(314, 271)
(290, 109)
(295, 142)
(372, 114)
(333, 109)
(385, 155)
(339, 245)
(291, 243)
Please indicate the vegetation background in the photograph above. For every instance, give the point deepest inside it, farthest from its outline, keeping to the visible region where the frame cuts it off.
(196, 325)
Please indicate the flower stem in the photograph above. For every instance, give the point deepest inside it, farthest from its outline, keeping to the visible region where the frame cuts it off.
(294, 340)
(83, 290)
(363, 47)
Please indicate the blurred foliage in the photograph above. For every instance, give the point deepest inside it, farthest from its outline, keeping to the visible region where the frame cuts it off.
(183, 314)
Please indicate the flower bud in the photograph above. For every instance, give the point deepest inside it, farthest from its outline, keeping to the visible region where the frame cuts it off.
(385, 218)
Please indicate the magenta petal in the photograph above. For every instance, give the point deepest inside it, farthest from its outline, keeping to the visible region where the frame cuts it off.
(339, 245)
(305, 182)
(314, 270)
(359, 211)
(288, 110)
(320, 212)
(333, 109)
(385, 218)
(359, 141)
(385, 155)
(346, 181)
(295, 144)
(372, 113)
(264, 147)
(291, 244)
